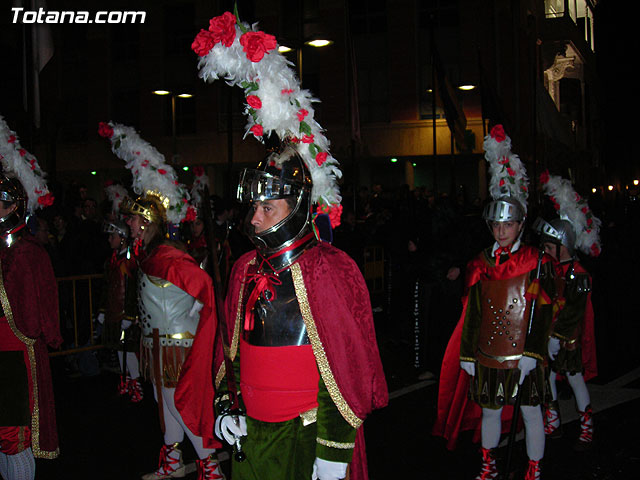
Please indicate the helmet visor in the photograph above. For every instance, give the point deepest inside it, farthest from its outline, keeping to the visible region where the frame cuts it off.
(257, 185)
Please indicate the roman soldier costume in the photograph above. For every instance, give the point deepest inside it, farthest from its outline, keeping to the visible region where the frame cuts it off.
(498, 341)
(175, 296)
(28, 317)
(299, 323)
(572, 341)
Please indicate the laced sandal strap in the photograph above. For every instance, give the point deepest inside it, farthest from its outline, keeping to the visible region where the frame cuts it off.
(533, 470)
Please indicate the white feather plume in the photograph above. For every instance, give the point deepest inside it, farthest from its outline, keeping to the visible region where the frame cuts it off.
(18, 163)
(575, 209)
(149, 169)
(508, 175)
(283, 108)
(200, 181)
(116, 193)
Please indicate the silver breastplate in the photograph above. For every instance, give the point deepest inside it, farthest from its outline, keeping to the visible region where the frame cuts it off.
(166, 307)
(278, 322)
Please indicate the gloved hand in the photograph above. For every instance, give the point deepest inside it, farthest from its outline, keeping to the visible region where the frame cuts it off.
(553, 347)
(124, 324)
(469, 367)
(526, 364)
(231, 427)
(100, 318)
(195, 310)
(327, 470)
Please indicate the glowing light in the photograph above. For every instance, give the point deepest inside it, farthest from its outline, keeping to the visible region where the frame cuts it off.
(635, 182)
(284, 49)
(185, 95)
(610, 187)
(186, 169)
(161, 92)
(394, 160)
(466, 87)
(319, 43)
(94, 173)
(594, 190)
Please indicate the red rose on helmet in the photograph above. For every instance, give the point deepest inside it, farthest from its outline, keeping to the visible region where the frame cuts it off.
(203, 43)
(105, 130)
(497, 133)
(223, 28)
(321, 157)
(198, 171)
(256, 44)
(254, 102)
(257, 130)
(46, 200)
(191, 215)
(301, 114)
(544, 177)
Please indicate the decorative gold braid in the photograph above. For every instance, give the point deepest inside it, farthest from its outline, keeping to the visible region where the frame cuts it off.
(318, 349)
(29, 342)
(332, 444)
(533, 355)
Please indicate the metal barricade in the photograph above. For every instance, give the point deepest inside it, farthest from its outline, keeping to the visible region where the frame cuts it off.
(76, 300)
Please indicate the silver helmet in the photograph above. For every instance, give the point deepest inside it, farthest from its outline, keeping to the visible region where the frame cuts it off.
(12, 193)
(504, 209)
(116, 226)
(557, 231)
(281, 175)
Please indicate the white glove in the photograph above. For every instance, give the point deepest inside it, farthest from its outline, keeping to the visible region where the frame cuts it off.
(553, 347)
(231, 427)
(195, 310)
(124, 324)
(327, 470)
(100, 318)
(526, 364)
(469, 367)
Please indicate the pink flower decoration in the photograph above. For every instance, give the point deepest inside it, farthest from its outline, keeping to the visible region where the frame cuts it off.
(511, 171)
(162, 171)
(22, 152)
(254, 102)
(301, 114)
(257, 130)
(287, 91)
(307, 139)
(191, 215)
(321, 157)
(223, 28)
(12, 139)
(203, 43)
(198, 171)
(145, 163)
(502, 182)
(257, 44)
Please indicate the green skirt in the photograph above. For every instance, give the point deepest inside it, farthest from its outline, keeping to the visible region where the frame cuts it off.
(277, 451)
(494, 388)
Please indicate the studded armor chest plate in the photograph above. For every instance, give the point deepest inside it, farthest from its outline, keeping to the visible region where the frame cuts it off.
(278, 322)
(503, 328)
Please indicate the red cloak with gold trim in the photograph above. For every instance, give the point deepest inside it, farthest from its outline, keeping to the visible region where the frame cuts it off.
(32, 294)
(335, 305)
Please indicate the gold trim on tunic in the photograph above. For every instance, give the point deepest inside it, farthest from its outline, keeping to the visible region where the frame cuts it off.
(318, 350)
(332, 444)
(309, 417)
(29, 342)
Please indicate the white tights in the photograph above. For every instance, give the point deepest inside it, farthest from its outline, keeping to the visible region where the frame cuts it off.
(132, 364)
(175, 427)
(21, 466)
(579, 387)
(533, 424)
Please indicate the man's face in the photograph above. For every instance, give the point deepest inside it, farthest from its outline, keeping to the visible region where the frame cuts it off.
(506, 233)
(136, 224)
(89, 209)
(197, 226)
(267, 213)
(6, 210)
(114, 240)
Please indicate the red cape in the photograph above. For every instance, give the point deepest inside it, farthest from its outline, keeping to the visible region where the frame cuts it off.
(455, 412)
(179, 268)
(339, 303)
(32, 292)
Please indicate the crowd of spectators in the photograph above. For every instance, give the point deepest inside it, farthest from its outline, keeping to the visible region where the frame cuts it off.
(427, 239)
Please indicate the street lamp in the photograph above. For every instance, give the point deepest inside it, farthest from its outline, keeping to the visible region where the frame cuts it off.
(162, 93)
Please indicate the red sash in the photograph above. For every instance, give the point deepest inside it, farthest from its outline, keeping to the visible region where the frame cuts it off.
(278, 383)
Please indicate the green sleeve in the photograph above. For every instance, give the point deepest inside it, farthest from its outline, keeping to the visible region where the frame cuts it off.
(222, 391)
(335, 437)
(471, 327)
(575, 305)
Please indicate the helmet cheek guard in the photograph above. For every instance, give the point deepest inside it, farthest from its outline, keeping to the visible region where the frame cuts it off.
(12, 192)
